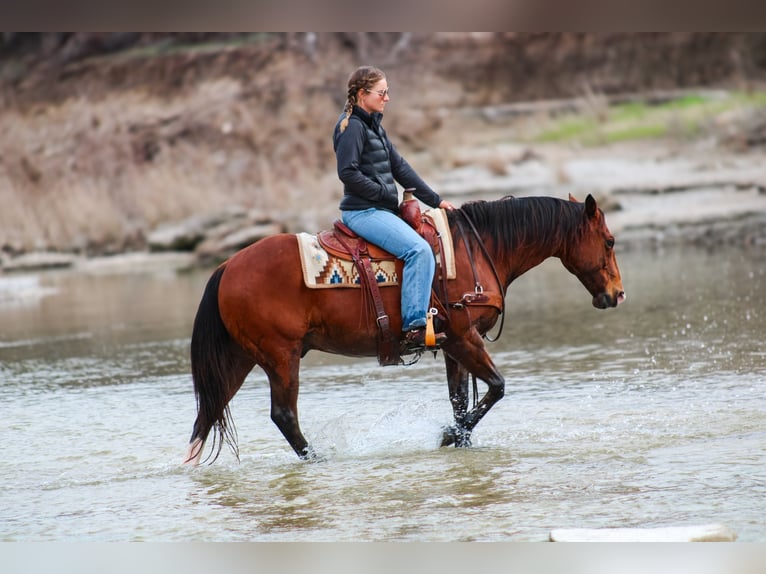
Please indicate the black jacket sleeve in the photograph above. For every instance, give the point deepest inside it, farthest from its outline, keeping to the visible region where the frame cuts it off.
(407, 177)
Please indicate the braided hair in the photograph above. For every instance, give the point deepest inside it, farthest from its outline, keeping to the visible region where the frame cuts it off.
(363, 78)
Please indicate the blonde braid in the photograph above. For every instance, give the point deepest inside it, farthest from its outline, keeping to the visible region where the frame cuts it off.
(363, 78)
(348, 109)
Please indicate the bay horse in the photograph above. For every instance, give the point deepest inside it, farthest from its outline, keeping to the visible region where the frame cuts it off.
(256, 310)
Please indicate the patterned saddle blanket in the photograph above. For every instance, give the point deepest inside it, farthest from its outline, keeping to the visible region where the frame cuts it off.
(323, 270)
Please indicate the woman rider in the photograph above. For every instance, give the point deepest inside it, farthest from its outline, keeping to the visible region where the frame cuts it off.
(369, 167)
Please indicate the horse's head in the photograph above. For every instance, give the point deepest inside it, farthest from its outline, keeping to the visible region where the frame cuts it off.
(590, 257)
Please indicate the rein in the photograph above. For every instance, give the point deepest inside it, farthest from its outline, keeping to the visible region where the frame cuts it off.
(478, 288)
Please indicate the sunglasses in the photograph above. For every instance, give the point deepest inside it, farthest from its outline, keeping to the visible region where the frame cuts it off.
(381, 93)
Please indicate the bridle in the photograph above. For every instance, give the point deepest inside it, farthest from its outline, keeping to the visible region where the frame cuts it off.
(478, 287)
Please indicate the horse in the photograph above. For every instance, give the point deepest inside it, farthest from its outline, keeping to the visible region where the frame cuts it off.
(256, 310)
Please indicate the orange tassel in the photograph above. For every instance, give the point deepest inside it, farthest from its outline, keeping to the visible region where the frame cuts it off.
(430, 334)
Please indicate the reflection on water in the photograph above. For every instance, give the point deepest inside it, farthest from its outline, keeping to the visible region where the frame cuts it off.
(648, 415)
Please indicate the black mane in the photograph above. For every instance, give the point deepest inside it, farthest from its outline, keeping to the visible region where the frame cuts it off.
(513, 222)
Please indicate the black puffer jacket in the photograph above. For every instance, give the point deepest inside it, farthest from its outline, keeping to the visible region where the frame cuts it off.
(369, 166)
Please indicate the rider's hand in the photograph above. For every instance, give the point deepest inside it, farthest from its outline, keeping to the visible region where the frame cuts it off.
(446, 205)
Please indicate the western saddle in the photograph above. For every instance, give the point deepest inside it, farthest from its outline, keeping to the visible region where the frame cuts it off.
(342, 242)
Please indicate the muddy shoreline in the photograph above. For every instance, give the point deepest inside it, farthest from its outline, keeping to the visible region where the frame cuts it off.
(654, 193)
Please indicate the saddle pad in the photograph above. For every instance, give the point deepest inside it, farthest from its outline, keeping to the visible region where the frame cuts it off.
(439, 217)
(323, 271)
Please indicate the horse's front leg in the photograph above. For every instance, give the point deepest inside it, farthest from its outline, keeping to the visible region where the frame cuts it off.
(457, 382)
(471, 357)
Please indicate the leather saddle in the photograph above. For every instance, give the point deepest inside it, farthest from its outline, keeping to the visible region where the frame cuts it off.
(342, 242)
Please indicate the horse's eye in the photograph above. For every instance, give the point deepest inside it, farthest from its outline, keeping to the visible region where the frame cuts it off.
(610, 243)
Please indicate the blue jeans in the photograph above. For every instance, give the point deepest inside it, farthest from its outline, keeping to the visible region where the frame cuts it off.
(390, 232)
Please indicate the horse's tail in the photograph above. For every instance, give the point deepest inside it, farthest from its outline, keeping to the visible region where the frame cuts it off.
(214, 358)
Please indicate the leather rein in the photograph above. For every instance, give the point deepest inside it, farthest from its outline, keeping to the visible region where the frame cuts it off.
(478, 287)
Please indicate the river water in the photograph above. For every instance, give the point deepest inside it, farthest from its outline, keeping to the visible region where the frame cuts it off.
(653, 414)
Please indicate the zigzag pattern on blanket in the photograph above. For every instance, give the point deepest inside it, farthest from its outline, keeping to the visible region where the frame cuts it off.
(322, 271)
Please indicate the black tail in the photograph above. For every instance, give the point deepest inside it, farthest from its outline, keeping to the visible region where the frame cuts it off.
(215, 361)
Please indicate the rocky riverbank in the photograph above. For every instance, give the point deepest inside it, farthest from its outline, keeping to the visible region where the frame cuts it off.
(189, 155)
(654, 194)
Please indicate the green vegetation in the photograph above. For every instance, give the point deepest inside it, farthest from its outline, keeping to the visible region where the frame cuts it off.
(686, 117)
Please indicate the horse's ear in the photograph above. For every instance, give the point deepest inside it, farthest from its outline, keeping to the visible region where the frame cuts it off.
(591, 208)
(573, 198)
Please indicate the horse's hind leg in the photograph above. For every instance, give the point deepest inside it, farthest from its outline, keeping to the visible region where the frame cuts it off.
(283, 380)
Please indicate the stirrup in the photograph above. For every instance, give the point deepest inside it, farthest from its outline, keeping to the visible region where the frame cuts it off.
(415, 340)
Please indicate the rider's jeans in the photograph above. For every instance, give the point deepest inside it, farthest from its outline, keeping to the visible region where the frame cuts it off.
(390, 232)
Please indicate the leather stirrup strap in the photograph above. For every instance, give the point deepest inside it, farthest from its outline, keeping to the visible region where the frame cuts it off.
(388, 345)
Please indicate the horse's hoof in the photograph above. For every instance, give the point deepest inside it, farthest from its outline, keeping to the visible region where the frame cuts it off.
(461, 438)
(463, 441)
(309, 455)
(448, 436)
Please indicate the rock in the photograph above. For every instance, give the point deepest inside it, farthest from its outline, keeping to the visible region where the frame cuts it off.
(39, 260)
(183, 236)
(218, 249)
(137, 262)
(248, 235)
(187, 234)
(701, 533)
(223, 229)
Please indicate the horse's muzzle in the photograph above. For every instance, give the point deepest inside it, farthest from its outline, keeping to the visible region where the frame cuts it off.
(606, 301)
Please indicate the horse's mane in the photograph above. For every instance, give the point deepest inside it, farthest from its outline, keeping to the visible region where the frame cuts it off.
(513, 222)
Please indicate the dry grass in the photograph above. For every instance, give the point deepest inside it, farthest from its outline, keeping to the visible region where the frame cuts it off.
(95, 175)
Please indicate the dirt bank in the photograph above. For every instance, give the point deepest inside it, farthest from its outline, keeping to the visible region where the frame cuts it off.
(102, 148)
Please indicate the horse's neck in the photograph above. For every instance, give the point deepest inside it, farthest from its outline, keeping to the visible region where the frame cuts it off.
(532, 253)
(528, 257)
